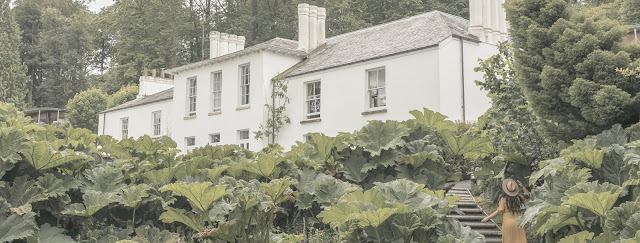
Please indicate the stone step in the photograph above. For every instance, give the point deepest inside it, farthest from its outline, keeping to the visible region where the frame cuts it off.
(467, 217)
(475, 225)
(466, 205)
(471, 210)
(488, 232)
(494, 239)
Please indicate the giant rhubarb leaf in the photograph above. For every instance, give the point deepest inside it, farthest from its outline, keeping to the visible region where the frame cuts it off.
(598, 203)
(41, 156)
(201, 195)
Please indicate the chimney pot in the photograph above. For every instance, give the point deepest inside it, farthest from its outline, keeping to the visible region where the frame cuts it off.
(144, 72)
(303, 27)
(153, 72)
(161, 73)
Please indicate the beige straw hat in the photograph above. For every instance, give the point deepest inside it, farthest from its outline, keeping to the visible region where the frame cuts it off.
(510, 187)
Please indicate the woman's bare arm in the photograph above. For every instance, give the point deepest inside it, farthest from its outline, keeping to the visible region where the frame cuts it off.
(493, 215)
(524, 189)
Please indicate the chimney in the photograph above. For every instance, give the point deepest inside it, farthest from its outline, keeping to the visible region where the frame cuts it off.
(233, 39)
(322, 17)
(488, 20)
(303, 27)
(162, 73)
(224, 44)
(240, 43)
(313, 28)
(145, 72)
(153, 72)
(214, 38)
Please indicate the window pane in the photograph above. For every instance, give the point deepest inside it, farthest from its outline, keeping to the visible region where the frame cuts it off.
(381, 78)
(382, 97)
(373, 79)
(373, 98)
(317, 88)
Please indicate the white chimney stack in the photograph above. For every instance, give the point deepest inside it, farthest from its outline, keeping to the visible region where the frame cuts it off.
(488, 20)
(303, 27)
(322, 32)
(311, 27)
(233, 39)
(214, 38)
(223, 44)
(240, 43)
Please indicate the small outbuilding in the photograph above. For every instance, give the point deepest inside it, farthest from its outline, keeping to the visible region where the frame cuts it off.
(46, 115)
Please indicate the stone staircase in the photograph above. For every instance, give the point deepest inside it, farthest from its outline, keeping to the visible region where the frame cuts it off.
(473, 214)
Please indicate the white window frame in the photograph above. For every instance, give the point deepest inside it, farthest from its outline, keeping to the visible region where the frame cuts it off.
(371, 89)
(313, 101)
(244, 142)
(124, 127)
(244, 87)
(192, 96)
(156, 123)
(186, 141)
(212, 136)
(216, 91)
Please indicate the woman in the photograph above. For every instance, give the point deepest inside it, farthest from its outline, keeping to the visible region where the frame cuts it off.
(510, 204)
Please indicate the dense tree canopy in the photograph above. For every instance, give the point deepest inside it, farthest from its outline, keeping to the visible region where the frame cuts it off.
(13, 81)
(567, 64)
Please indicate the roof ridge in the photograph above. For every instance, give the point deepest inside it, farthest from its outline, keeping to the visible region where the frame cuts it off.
(433, 12)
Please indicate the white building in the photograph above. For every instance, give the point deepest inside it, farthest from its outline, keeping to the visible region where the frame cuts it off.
(335, 84)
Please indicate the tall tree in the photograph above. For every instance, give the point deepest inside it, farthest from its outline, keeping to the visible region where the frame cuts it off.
(150, 33)
(13, 79)
(567, 65)
(55, 48)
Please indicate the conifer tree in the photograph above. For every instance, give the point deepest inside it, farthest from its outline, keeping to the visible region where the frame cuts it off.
(567, 64)
(13, 79)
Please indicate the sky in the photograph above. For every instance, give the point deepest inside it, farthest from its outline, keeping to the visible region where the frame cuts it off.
(98, 4)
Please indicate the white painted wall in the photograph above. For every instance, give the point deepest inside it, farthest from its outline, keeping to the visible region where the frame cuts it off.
(232, 117)
(140, 120)
(426, 78)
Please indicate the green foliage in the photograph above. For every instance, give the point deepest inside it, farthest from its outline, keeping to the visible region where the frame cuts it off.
(14, 82)
(566, 58)
(362, 186)
(83, 109)
(125, 94)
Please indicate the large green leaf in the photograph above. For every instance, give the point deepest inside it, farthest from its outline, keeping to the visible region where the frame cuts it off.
(615, 135)
(375, 218)
(23, 191)
(578, 237)
(330, 190)
(371, 196)
(598, 203)
(133, 194)
(12, 143)
(278, 190)
(378, 135)
(42, 156)
(201, 195)
(104, 179)
(338, 213)
(554, 218)
(548, 168)
(632, 227)
(471, 147)
(618, 216)
(429, 119)
(406, 223)
(49, 234)
(148, 234)
(194, 221)
(92, 202)
(353, 168)
(265, 165)
(592, 158)
(15, 227)
(451, 228)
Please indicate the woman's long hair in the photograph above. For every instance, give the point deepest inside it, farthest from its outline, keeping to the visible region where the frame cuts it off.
(514, 203)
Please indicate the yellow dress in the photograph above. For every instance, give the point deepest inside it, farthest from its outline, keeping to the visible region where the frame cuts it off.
(511, 233)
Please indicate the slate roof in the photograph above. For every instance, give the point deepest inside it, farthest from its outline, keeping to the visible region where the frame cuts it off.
(400, 36)
(160, 96)
(278, 45)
